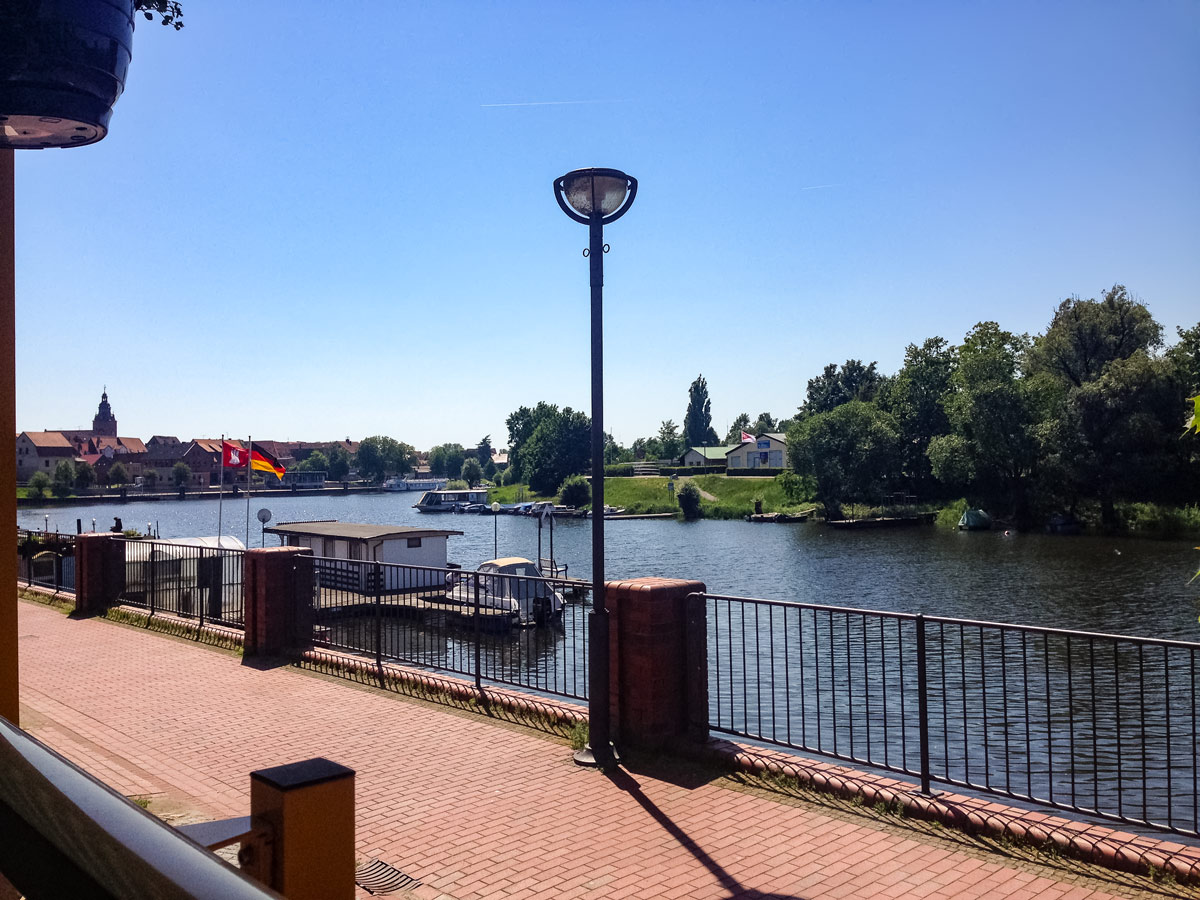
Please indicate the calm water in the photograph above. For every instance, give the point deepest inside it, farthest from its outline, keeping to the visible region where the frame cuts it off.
(1115, 585)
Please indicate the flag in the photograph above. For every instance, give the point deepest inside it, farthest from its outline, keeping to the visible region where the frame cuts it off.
(747, 437)
(262, 461)
(233, 456)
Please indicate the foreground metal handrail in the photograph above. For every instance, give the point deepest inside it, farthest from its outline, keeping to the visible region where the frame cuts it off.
(68, 834)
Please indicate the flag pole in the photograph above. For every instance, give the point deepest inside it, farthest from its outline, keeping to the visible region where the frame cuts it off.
(221, 488)
(249, 481)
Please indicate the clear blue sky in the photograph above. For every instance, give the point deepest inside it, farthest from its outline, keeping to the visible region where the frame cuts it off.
(318, 220)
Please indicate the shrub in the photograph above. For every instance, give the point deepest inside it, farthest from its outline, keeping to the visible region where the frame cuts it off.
(619, 470)
(692, 470)
(575, 491)
(64, 478)
(949, 516)
(181, 473)
(472, 472)
(689, 501)
(39, 482)
(456, 484)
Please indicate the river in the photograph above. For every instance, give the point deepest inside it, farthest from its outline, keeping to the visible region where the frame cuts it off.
(1103, 584)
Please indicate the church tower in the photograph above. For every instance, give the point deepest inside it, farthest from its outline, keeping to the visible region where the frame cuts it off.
(105, 423)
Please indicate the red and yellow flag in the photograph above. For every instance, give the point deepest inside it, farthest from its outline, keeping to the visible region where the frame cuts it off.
(262, 461)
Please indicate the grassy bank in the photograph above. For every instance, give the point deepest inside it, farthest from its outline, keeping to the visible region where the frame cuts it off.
(734, 496)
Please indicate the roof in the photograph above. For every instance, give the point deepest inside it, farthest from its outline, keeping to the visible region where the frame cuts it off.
(213, 445)
(711, 452)
(130, 445)
(773, 435)
(355, 531)
(776, 435)
(48, 439)
(507, 561)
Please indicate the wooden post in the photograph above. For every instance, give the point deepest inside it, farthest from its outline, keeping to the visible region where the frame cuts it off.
(309, 808)
(9, 702)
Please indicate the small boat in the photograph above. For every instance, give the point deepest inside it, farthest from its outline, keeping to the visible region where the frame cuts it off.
(513, 584)
(448, 501)
(975, 520)
(614, 510)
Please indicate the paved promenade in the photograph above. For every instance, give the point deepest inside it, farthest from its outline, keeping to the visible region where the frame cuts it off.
(471, 808)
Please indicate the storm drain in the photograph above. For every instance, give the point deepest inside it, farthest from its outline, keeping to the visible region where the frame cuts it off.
(377, 877)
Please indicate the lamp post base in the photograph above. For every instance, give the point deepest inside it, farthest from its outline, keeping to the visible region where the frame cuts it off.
(593, 760)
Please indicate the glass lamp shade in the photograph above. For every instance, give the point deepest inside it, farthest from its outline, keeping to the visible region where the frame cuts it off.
(586, 192)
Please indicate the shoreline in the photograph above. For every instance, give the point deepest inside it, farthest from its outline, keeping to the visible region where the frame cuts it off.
(140, 496)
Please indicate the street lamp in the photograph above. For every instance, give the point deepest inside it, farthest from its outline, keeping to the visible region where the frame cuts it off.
(495, 530)
(595, 197)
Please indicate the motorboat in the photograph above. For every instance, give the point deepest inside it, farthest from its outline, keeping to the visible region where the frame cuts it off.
(513, 584)
(448, 501)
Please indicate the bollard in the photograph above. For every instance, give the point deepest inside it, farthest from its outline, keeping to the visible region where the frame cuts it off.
(308, 808)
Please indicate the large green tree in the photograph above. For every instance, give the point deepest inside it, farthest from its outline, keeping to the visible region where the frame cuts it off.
(914, 396)
(64, 478)
(740, 424)
(521, 425)
(670, 446)
(339, 463)
(380, 456)
(446, 460)
(852, 452)
(837, 385)
(697, 421)
(558, 447)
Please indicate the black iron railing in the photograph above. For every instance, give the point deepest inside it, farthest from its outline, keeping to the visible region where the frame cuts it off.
(1103, 725)
(192, 581)
(46, 559)
(490, 627)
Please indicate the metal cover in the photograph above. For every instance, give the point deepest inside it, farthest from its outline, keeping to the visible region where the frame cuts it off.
(377, 877)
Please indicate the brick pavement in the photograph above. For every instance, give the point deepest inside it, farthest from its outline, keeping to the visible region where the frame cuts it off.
(472, 808)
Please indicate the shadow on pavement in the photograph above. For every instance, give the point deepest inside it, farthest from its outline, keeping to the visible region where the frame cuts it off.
(627, 783)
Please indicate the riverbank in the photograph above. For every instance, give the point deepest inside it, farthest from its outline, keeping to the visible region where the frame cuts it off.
(132, 496)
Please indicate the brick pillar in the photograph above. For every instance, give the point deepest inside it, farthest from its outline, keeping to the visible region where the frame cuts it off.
(99, 572)
(277, 586)
(659, 660)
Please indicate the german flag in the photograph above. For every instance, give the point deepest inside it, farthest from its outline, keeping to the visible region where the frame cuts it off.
(262, 461)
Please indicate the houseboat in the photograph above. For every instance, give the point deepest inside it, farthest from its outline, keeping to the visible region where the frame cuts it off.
(398, 483)
(449, 501)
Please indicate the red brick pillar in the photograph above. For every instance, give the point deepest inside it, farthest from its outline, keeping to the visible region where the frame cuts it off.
(659, 660)
(277, 586)
(99, 572)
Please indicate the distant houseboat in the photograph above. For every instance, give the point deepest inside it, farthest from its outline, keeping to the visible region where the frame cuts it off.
(397, 483)
(449, 501)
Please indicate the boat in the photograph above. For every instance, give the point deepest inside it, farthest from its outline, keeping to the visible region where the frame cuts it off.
(513, 584)
(398, 483)
(975, 520)
(448, 501)
(883, 522)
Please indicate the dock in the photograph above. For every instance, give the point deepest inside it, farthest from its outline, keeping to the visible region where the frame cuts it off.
(640, 516)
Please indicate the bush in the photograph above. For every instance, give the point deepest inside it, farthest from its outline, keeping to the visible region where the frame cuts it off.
(64, 478)
(619, 470)
(39, 482)
(689, 501)
(472, 472)
(949, 516)
(1157, 520)
(691, 470)
(759, 472)
(575, 491)
(456, 484)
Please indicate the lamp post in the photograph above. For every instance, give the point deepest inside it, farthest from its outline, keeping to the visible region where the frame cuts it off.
(596, 197)
(495, 530)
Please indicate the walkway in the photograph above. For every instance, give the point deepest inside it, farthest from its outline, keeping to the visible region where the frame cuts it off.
(471, 808)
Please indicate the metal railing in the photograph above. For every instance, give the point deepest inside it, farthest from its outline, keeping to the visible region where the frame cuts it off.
(47, 559)
(489, 627)
(1103, 725)
(204, 583)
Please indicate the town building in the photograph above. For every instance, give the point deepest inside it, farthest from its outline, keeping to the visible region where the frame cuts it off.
(706, 456)
(41, 451)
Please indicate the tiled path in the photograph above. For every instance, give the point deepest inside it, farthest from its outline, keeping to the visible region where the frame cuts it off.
(471, 808)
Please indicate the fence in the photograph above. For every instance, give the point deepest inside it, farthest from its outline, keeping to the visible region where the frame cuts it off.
(1098, 724)
(47, 559)
(187, 580)
(485, 625)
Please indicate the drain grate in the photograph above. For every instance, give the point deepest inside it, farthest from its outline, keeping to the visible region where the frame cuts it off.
(377, 877)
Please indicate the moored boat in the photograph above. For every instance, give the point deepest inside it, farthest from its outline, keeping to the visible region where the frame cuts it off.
(449, 501)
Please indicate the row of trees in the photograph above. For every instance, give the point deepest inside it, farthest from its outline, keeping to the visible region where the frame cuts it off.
(72, 476)
(1086, 413)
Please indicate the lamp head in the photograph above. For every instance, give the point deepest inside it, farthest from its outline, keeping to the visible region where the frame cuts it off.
(585, 194)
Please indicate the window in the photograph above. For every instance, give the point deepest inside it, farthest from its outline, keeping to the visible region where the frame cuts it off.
(414, 542)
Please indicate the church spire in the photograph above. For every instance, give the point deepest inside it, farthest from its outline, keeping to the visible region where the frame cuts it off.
(105, 423)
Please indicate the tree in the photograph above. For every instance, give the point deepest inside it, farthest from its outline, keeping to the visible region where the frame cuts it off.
(181, 474)
(169, 12)
(472, 471)
(483, 450)
(150, 478)
(559, 446)
(446, 459)
(915, 398)
(1185, 355)
(339, 463)
(380, 456)
(85, 475)
(575, 491)
(314, 462)
(688, 498)
(697, 421)
(489, 469)
(521, 425)
(1086, 335)
(763, 424)
(64, 478)
(118, 474)
(835, 386)
(668, 440)
(852, 451)
(993, 414)
(39, 483)
(740, 424)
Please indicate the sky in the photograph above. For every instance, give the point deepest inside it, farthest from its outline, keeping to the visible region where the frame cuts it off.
(313, 221)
